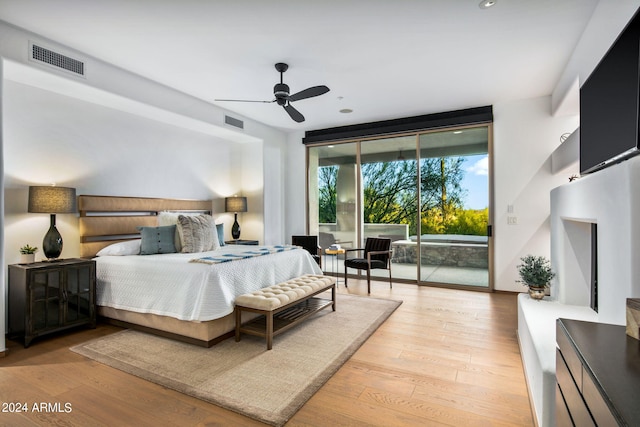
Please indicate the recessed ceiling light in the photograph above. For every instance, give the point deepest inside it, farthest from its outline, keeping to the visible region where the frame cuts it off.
(346, 110)
(457, 132)
(331, 146)
(486, 4)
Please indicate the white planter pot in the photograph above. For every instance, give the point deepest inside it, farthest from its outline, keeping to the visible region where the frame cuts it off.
(27, 258)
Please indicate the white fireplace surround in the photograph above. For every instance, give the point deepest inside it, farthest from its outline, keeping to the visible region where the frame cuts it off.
(609, 198)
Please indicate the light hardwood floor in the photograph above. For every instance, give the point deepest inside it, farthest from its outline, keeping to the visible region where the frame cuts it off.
(445, 357)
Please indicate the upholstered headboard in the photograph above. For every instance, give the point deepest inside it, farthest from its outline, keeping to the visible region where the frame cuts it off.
(106, 219)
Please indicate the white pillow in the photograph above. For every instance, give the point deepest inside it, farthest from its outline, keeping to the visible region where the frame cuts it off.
(130, 247)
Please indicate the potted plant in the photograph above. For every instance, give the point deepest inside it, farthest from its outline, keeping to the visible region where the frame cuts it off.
(535, 273)
(27, 254)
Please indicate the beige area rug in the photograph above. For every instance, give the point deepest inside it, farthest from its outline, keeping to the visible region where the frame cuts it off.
(269, 386)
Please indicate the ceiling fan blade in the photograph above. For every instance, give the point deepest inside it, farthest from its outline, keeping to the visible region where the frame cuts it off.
(308, 93)
(243, 100)
(293, 113)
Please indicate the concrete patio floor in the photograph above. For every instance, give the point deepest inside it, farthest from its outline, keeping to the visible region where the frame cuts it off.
(429, 273)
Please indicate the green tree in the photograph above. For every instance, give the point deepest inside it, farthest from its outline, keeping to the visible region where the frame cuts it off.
(327, 198)
(389, 190)
(469, 222)
(440, 180)
(456, 221)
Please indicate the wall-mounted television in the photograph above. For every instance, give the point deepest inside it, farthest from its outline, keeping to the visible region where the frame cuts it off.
(609, 104)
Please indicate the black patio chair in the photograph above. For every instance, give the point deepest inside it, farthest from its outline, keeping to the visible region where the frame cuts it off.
(376, 255)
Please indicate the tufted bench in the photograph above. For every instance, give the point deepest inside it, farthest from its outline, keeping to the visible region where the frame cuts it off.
(283, 305)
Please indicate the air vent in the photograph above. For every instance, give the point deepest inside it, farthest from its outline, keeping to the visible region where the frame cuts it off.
(41, 54)
(234, 122)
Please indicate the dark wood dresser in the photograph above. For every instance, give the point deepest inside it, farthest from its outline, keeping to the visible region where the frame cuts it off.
(597, 375)
(47, 297)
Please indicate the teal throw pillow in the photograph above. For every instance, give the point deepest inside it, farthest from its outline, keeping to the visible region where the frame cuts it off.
(157, 240)
(220, 229)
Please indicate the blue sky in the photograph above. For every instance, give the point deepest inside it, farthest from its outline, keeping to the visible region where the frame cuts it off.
(476, 181)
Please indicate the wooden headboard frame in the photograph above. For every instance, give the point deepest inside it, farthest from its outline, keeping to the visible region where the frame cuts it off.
(106, 219)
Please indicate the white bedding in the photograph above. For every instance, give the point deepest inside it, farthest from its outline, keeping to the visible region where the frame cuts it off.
(169, 285)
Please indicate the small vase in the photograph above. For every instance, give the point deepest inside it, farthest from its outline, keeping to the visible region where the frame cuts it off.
(536, 292)
(27, 258)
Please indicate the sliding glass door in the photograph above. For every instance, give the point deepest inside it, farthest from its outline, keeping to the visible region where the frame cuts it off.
(333, 197)
(428, 192)
(389, 195)
(454, 176)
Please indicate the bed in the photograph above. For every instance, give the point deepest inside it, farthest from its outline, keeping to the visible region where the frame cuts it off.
(185, 296)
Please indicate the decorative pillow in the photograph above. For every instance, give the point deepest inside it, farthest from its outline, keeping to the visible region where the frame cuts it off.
(130, 247)
(171, 218)
(220, 231)
(157, 240)
(198, 233)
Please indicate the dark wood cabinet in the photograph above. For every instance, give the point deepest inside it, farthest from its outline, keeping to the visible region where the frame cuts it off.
(597, 375)
(46, 297)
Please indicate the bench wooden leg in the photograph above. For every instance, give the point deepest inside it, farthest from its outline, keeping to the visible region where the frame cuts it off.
(333, 297)
(269, 330)
(238, 320)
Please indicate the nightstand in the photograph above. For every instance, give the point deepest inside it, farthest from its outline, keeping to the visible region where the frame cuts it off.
(241, 242)
(47, 297)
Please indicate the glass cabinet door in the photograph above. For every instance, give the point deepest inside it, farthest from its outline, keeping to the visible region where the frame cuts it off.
(78, 293)
(45, 299)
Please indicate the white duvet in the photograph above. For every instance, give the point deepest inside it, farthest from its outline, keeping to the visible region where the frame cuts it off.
(169, 285)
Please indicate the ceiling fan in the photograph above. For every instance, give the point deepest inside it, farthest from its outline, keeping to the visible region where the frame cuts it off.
(283, 98)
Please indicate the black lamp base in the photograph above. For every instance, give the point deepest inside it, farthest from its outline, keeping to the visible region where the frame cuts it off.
(235, 229)
(52, 242)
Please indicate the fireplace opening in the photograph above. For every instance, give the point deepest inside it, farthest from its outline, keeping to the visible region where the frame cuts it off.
(594, 267)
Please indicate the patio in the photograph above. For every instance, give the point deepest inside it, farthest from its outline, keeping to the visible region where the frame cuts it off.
(468, 276)
(444, 258)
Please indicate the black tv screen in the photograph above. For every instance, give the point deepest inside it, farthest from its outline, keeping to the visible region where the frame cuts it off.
(609, 104)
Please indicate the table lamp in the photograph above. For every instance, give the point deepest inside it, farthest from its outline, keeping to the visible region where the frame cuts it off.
(52, 200)
(235, 204)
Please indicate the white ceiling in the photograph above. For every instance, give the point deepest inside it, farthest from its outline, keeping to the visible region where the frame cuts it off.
(381, 58)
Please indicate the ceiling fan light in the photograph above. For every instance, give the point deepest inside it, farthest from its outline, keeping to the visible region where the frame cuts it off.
(281, 89)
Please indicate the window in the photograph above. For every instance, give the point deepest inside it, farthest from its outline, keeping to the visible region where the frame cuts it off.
(429, 192)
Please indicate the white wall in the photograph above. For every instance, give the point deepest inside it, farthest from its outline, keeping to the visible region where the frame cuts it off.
(606, 23)
(273, 172)
(296, 186)
(51, 138)
(525, 136)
